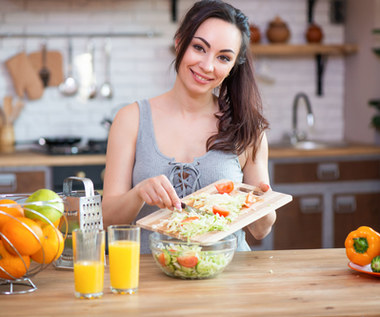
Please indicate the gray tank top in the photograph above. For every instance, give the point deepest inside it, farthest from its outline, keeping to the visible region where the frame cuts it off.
(185, 177)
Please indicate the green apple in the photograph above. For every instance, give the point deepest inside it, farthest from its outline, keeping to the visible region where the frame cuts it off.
(44, 202)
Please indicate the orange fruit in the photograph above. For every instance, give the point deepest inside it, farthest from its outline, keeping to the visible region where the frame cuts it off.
(13, 264)
(43, 223)
(24, 234)
(14, 209)
(52, 245)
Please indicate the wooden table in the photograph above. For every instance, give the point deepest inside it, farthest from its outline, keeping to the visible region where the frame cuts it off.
(263, 283)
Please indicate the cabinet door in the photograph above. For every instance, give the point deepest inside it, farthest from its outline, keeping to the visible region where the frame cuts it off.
(317, 172)
(22, 181)
(93, 172)
(299, 223)
(352, 211)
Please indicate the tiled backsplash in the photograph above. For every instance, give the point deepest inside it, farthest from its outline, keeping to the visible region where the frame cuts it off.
(141, 66)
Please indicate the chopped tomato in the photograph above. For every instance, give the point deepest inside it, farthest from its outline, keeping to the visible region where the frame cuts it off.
(264, 187)
(220, 211)
(187, 261)
(226, 187)
(250, 200)
(190, 219)
(161, 259)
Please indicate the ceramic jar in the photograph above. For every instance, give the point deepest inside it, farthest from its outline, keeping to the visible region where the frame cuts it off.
(278, 31)
(255, 33)
(314, 33)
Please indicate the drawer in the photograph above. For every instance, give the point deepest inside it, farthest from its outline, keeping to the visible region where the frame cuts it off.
(22, 181)
(299, 223)
(307, 172)
(352, 211)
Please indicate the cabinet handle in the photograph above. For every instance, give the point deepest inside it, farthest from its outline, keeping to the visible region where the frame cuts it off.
(309, 205)
(345, 204)
(328, 171)
(8, 183)
(81, 174)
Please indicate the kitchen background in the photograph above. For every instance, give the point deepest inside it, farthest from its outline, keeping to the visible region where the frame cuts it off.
(140, 66)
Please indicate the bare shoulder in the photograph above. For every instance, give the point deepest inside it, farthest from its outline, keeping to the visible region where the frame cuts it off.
(125, 124)
(129, 113)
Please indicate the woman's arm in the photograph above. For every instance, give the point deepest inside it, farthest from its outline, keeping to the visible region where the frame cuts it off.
(256, 173)
(121, 203)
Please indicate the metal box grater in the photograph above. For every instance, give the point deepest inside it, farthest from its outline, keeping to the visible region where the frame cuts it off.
(83, 209)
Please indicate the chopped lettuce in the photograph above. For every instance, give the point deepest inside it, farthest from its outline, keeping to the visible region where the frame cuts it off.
(206, 221)
(208, 265)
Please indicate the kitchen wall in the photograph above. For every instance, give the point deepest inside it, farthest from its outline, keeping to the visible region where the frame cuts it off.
(362, 70)
(141, 66)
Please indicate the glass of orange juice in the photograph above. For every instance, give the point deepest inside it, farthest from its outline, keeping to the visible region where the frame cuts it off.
(89, 252)
(124, 258)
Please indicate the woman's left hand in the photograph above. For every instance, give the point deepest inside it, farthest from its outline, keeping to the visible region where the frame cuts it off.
(262, 227)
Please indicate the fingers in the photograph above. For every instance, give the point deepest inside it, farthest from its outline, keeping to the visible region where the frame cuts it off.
(160, 192)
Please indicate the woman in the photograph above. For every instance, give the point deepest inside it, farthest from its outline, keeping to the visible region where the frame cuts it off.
(165, 148)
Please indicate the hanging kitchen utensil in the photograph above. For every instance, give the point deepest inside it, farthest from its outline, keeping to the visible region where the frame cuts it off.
(92, 86)
(25, 78)
(106, 87)
(44, 71)
(69, 86)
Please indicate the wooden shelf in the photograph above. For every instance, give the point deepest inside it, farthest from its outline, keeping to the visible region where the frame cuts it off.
(319, 51)
(302, 49)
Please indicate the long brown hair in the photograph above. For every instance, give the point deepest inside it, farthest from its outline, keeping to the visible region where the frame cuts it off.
(241, 122)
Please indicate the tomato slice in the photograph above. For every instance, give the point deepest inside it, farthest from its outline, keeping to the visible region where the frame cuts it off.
(220, 211)
(190, 219)
(250, 199)
(187, 220)
(226, 187)
(161, 259)
(187, 261)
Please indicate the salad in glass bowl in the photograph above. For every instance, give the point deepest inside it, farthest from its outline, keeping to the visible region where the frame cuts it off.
(180, 259)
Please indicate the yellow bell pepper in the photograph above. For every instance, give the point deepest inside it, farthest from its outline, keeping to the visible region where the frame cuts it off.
(362, 245)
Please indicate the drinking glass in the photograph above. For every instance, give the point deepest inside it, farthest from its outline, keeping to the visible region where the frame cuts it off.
(89, 253)
(124, 258)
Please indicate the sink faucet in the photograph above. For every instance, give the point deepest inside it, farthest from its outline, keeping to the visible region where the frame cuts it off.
(297, 135)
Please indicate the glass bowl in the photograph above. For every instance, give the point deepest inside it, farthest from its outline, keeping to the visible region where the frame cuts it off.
(180, 259)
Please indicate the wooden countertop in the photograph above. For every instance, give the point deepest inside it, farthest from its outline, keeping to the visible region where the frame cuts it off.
(29, 158)
(350, 150)
(259, 283)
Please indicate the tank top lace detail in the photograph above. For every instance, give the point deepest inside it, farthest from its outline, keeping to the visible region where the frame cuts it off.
(185, 177)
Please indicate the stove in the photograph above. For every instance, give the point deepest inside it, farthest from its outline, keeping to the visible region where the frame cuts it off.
(72, 148)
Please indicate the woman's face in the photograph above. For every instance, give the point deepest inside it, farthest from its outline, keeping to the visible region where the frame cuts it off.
(210, 56)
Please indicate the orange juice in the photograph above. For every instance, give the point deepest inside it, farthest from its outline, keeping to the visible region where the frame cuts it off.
(124, 258)
(89, 277)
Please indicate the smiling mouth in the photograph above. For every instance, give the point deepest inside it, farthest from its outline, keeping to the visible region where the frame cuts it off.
(200, 78)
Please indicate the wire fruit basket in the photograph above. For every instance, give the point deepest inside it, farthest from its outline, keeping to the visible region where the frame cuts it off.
(23, 233)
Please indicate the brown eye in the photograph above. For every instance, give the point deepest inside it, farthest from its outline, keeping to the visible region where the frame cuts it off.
(225, 58)
(198, 47)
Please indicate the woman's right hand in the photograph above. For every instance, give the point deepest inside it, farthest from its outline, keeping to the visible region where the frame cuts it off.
(158, 191)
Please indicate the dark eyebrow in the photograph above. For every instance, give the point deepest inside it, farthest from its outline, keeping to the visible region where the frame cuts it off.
(208, 45)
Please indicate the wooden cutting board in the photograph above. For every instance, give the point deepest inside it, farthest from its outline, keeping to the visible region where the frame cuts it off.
(54, 63)
(268, 202)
